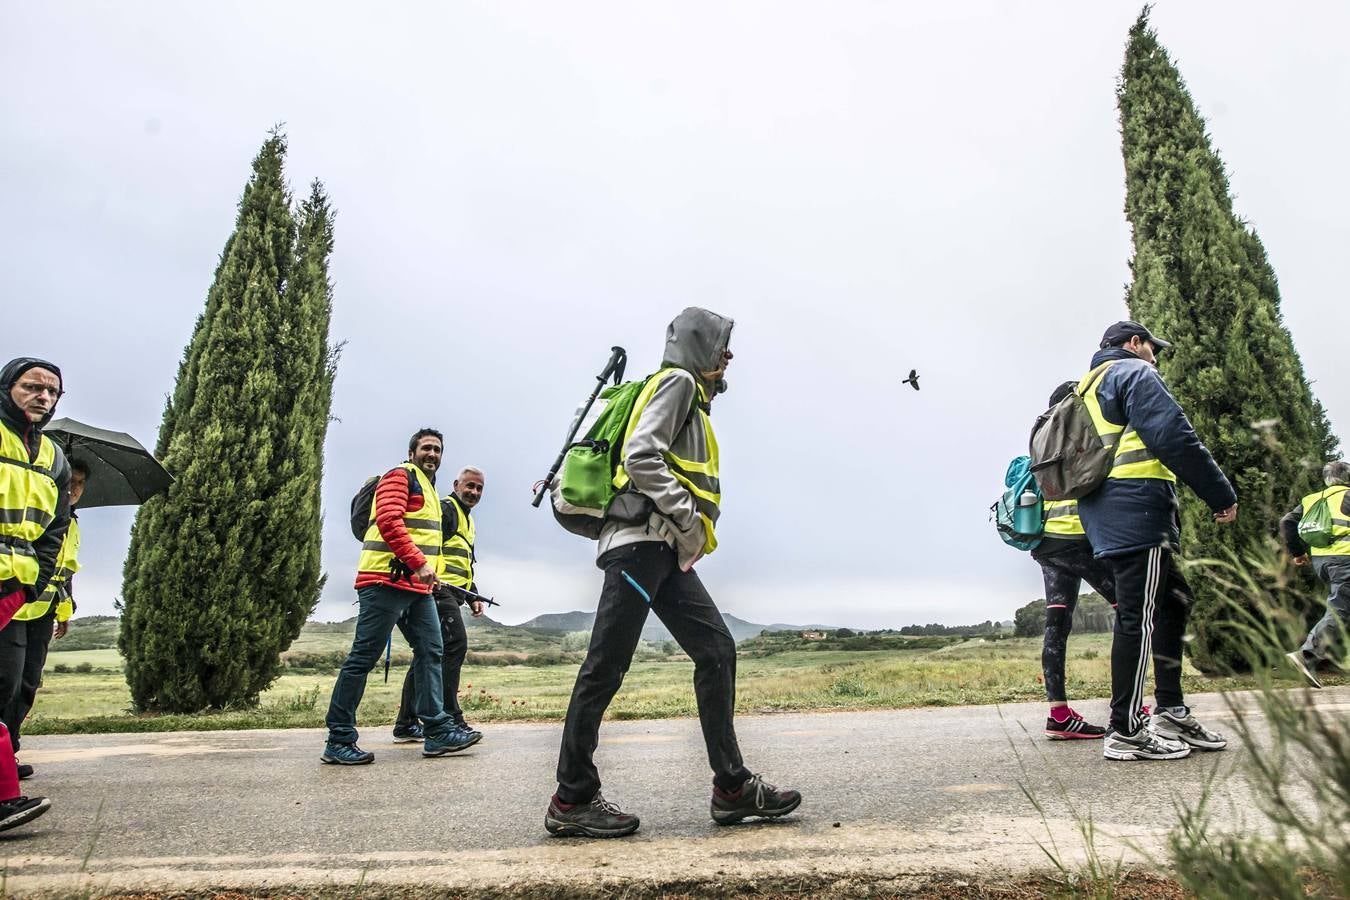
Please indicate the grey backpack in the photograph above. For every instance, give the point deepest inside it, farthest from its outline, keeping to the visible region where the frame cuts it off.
(1068, 458)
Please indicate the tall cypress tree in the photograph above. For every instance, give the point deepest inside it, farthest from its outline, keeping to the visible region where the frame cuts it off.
(223, 570)
(1202, 280)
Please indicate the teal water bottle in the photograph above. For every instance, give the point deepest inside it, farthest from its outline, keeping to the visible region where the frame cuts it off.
(1027, 515)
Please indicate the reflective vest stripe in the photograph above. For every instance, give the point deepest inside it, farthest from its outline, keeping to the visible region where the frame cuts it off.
(428, 550)
(455, 551)
(31, 514)
(1061, 519)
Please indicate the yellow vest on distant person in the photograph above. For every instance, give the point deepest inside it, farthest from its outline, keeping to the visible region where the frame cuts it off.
(457, 555)
(424, 527)
(57, 590)
(1340, 525)
(28, 497)
(1132, 459)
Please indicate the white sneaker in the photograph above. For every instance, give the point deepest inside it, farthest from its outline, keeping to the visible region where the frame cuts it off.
(1170, 725)
(1143, 744)
(1301, 664)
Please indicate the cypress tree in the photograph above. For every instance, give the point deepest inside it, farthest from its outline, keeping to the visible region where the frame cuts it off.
(223, 570)
(1201, 279)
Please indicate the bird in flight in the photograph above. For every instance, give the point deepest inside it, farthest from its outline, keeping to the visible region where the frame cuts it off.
(913, 379)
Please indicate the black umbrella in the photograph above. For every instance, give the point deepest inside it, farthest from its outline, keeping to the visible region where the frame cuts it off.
(121, 471)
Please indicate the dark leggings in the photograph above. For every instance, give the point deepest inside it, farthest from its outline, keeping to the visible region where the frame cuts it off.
(1064, 573)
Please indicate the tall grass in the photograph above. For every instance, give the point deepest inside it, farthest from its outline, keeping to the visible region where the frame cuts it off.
(1297, 761)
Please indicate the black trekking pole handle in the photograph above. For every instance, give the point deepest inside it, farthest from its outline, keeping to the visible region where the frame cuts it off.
(618, 360)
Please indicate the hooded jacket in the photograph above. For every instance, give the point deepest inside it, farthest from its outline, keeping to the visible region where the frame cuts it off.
(694, 344)
(48, 546)
(1127, 515)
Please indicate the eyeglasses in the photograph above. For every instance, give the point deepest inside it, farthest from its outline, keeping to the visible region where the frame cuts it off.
(33, 387)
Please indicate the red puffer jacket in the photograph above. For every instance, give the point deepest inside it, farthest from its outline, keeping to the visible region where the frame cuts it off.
(396, 496)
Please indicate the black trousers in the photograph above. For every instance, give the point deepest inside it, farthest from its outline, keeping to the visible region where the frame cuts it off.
(456, 641)
(682, 604)
(1064, 573)
(23, 653)
(1153, 603)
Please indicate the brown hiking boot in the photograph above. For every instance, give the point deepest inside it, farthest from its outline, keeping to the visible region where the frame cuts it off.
(755, 798)
(597, 819)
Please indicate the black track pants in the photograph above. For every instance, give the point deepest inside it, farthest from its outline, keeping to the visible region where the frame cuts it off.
(682, 604)
(1153, 602)
(1064, 574)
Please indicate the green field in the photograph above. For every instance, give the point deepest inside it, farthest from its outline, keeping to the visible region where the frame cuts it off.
(961, 672)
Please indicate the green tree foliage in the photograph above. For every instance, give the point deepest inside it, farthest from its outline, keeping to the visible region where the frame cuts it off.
(1091, 614)
(1202, 280)
(223, 571)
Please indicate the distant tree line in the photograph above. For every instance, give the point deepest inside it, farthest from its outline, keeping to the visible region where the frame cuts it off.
(1093, 613)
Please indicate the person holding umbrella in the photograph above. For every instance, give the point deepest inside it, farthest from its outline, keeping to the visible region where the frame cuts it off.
(34, 517)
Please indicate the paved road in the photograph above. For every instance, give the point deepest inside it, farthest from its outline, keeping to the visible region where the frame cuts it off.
(912, 791)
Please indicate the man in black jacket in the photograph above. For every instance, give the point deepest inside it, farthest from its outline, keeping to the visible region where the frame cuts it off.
(1331, 562)
(1133, 524)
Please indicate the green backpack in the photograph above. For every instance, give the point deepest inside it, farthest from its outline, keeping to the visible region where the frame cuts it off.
(1315, 528)
(584, 487)
(583, 493)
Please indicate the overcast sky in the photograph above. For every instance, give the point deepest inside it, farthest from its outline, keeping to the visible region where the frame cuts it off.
(864, 187)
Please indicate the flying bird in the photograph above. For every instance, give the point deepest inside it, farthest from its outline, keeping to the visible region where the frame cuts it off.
(913, 379)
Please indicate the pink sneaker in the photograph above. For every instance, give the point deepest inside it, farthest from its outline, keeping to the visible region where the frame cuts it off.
(1072, 727)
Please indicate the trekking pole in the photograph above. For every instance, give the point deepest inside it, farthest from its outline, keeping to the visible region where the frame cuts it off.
(618, 359)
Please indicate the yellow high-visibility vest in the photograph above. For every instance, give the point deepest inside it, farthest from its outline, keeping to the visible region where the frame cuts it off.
(1132, 458)
(1340, 525)
(424, 527)
(28, 496)
(699, 476)
(57, 590)
(457, 556)
(1061, 519)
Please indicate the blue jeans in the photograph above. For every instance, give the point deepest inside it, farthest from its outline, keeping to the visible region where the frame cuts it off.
(381, 608)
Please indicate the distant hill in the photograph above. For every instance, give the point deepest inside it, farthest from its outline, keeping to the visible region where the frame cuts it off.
(654, 631)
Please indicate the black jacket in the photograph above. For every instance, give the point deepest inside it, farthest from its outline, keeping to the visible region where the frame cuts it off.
(48, 546)
(1127, 515)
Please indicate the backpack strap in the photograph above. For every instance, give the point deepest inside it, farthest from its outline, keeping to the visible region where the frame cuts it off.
(1091, 379)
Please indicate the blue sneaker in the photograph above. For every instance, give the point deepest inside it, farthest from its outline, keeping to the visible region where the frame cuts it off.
(345, 754)
(450, 739)
(408, 734)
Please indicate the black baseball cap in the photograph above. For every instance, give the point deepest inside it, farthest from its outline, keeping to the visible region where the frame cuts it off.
(1121, 332)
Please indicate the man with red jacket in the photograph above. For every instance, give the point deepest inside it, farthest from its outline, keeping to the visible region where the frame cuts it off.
(394, 580)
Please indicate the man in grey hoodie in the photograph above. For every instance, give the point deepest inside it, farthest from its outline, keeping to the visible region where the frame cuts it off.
(661, 523)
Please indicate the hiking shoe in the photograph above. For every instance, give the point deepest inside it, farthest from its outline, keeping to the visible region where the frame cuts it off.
(14, 813)
(408, 734)
(1177, 724)
(1075, 727)
(449, 740)
(597, 819)
(1143, 744)
(1301, 666)
(471, 732)
(345, 754)
(755, 798)
(25, 771)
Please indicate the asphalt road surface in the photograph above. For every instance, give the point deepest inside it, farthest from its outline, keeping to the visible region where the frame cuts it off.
(886, 794)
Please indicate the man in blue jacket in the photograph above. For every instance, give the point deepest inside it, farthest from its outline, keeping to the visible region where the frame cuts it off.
(1132, 522)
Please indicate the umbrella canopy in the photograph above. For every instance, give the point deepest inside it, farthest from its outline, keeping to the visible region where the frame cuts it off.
(121, 471)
